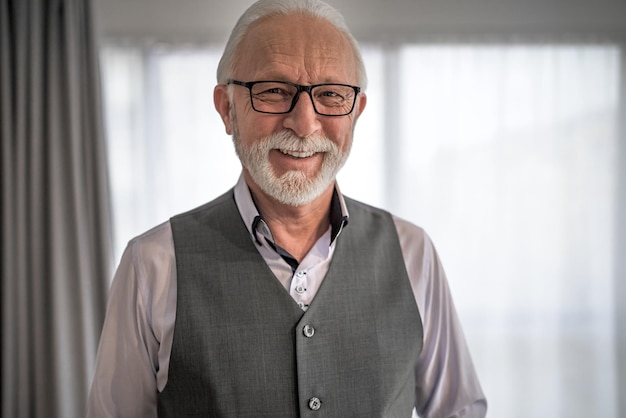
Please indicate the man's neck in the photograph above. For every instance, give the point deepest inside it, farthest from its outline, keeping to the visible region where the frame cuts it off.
(295, 228)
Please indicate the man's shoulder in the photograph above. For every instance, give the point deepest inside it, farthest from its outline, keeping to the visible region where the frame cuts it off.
(357, 206)
(155, 243)
(160, 236)
(224, 199)
(407, 230)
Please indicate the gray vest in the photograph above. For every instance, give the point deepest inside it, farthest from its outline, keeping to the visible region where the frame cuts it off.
(243, 348)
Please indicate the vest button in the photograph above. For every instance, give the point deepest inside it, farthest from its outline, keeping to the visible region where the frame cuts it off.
(315, 403)
(308, 332)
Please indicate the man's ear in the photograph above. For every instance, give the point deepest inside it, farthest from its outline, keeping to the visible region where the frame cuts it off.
(362, 101)
(222, 105)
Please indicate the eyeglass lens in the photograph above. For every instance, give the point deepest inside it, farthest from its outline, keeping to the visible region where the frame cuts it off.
(277, 97)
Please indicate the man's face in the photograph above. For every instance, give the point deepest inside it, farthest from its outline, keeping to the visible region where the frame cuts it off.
(292, 157)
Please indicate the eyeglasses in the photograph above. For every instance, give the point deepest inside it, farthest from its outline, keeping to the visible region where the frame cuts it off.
(279, 97)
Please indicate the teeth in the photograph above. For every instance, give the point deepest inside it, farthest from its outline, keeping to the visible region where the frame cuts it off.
(297, 154)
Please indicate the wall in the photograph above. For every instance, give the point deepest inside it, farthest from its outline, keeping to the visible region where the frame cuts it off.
(371, 19)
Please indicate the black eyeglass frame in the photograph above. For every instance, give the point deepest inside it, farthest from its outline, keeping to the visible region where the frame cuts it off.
(300, 88)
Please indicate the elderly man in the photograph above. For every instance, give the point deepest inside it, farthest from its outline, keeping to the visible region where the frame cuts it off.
(283, 298)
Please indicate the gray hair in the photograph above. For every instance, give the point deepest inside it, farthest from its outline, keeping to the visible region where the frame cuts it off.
(266, 8)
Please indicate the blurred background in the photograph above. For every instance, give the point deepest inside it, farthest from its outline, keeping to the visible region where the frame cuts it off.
(496, 125)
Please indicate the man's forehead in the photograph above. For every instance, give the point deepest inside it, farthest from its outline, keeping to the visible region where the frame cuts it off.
(295, 39)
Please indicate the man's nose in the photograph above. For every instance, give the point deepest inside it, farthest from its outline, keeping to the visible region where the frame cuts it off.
(303, 120)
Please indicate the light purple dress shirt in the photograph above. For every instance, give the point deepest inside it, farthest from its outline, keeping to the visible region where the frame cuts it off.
(134, 351)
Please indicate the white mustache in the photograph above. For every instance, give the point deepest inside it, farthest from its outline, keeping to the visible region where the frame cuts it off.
(288, 143)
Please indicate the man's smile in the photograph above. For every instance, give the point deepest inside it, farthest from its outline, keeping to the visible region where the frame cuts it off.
(297, 154)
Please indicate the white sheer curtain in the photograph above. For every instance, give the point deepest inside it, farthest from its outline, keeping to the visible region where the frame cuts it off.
(507, 157)
(506, 154)
(169, 150)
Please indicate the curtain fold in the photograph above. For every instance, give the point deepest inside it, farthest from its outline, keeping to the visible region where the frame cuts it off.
(56, 244)
(620, 242)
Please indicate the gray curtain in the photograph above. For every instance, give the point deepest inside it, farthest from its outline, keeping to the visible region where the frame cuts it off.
(56, 257)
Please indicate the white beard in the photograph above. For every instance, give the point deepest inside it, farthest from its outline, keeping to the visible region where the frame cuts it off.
(293, 188)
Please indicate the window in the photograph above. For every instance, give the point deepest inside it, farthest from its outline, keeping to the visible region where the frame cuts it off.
(505, 154)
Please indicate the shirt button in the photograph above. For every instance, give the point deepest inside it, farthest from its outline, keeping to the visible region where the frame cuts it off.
(301, 305)
(300, 289)
(315, 403)
(308, 332)
(300, 273)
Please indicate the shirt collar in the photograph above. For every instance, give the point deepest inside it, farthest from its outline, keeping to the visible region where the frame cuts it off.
(257, 226)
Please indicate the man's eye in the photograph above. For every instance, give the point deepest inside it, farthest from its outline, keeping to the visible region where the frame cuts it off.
(331, 97)
(273, 93)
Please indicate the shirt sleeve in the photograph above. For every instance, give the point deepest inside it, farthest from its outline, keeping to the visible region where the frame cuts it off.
(127, 362)
(446, 382)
